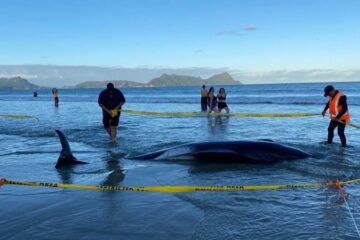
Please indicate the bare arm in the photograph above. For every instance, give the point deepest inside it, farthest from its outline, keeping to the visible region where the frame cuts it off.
(105, 109)
(119, 105)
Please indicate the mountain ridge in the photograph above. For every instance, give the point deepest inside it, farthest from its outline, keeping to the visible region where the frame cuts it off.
(165, 80)
(17, 83)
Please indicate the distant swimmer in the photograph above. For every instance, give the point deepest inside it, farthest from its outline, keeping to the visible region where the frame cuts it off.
(339, 113)
(55, 93)
(222, 101)
(35, 94)
(110, 101)
(212, 102)
(204, 99)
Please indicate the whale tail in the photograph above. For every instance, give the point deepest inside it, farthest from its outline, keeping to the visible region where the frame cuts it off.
(66, 157)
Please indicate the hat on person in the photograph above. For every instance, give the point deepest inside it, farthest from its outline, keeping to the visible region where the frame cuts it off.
(327, 90)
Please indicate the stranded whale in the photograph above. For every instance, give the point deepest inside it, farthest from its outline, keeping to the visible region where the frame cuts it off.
(66, 157)
(261, 151)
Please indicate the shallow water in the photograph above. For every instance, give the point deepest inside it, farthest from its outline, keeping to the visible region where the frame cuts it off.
(29, 150)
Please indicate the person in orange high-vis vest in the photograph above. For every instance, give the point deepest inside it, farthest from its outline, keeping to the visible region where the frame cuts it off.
(339, 113)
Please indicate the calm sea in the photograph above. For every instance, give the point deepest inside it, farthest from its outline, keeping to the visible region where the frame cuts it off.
(29, 150)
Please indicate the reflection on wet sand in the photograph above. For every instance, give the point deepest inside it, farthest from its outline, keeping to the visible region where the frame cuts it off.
(117, 174)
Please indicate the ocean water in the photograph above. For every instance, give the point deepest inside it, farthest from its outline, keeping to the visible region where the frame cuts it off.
(29, 150)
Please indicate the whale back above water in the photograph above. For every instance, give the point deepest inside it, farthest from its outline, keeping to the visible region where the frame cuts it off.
(262, 151)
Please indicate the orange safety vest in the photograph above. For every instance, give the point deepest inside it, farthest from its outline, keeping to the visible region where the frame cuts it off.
(335, 108)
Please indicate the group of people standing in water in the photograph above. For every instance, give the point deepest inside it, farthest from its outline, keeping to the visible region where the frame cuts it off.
(215, 103)
(111, 100)
(337, 106)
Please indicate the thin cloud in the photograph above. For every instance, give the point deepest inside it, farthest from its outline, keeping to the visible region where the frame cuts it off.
(228, 33)
(249, 28)
(198, 51)
(22, 75)
(286, 76)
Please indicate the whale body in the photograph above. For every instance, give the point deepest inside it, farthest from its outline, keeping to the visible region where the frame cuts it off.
(66, 157)
(263, 151)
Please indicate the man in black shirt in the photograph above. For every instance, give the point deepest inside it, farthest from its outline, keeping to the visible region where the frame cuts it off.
(339, 113)
(111, 99)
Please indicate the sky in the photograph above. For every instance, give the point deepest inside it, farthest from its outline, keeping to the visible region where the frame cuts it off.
(255, 40)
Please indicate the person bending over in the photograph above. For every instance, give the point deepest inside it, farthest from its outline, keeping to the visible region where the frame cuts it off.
(111, 100)
(339, 113)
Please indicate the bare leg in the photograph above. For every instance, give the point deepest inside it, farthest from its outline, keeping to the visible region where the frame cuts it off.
(113, 133)
(109, 128)
(108, 131)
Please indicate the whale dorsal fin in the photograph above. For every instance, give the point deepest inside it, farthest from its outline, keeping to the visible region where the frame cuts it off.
(66, 157)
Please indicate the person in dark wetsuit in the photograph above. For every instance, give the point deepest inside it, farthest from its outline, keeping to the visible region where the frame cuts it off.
(204, 99)
(339, 113)
(222, 100)
(212, 102)
(111, 100)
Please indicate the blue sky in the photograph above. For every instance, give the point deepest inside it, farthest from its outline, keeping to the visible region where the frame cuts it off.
(253, 36)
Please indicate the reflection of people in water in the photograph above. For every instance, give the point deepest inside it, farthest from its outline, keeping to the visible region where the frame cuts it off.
(55, 93)
(222, 100)
(204, 99)
(117, 174)
(212, 102)
(218, 124)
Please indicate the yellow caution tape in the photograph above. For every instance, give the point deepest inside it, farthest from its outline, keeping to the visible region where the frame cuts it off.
(204, 114)
(17, 116)
(350, 124)
(114, 112)
(174, 189)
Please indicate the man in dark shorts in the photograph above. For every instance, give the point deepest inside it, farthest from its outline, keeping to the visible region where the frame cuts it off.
(111, 101)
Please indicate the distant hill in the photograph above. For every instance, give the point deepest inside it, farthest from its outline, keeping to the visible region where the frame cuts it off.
(102, 84)
(16, 83)
(166, 80)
